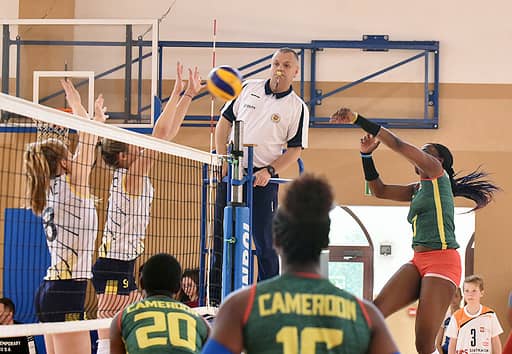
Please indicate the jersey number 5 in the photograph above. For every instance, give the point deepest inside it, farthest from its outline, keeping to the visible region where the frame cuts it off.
(309, 337)
(171, 325)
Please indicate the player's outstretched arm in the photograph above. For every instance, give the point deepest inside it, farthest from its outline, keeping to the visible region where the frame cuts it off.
(430, 165)
(379, 189)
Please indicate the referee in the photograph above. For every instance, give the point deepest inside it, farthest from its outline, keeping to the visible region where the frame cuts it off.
(275, 118)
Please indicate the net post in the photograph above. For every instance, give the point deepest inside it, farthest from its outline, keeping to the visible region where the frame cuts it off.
(204, 251)
(237, 164)
(236, 263)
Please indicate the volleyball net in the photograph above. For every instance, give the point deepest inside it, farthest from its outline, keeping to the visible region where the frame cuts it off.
(110, 220)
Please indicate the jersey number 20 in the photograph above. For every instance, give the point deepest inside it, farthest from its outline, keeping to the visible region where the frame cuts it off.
(171, 325)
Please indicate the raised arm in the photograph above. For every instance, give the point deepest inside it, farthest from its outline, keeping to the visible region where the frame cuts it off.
(170, 120)
(164, 121)
(193, 87)
(430, 165)
(84, 153)
(166, 127)
(401, 193)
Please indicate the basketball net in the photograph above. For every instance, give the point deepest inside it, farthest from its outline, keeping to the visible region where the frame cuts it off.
(49, 131)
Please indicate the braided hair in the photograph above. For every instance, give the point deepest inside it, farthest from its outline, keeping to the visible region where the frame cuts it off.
(301, 225)
(470, 186)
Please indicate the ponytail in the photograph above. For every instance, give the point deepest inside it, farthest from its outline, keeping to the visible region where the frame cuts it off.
(470, 186)
(41, 161)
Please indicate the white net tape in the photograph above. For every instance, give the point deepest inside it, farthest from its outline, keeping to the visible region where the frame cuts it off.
(35, 329)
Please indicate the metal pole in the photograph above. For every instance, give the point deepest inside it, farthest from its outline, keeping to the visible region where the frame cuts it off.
(139, 81)
(5, 59)
(5, 65)
(128, 73)
(204, 221)
(312, 87)
(237, 195)
(18, 65)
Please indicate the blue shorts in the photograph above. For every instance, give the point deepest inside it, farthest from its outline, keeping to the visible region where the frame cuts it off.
(113, 276)
(60, 300)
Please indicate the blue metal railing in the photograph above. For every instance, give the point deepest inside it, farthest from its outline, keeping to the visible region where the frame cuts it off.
(427, 49)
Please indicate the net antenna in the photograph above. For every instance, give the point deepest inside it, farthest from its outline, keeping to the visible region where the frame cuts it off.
(211, 195)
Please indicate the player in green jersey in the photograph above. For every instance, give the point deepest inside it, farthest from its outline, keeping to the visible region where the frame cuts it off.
(158, 323)
(434, 273)
(299, 312)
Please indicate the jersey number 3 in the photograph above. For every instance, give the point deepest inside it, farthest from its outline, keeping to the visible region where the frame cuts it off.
(309, 337)
(171, 326)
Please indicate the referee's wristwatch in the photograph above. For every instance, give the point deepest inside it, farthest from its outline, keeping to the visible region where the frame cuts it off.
(271, 170)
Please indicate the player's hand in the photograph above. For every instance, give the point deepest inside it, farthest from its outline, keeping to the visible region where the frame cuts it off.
(368, 144)
(100, 110)
(72, 95)
(194, 84)
(178, 84)
(343, 116)
(261, 178)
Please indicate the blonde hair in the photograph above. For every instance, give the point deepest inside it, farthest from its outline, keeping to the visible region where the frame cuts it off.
(41, 160)
(475, 279)
(110, 150)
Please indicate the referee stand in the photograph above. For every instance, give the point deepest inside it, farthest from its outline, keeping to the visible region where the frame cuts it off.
(238, 254)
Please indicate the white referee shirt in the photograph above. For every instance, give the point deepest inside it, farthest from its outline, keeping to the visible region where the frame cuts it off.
(272, 121)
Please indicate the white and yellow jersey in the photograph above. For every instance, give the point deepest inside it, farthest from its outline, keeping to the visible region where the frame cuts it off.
(71, 224)
(474, 332)
(127, 219)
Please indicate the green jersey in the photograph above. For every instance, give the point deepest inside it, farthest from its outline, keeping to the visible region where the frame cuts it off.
(159, 324)
(304, 314)
(431, 214)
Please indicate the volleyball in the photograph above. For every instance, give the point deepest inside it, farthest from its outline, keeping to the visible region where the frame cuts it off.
(224, 82)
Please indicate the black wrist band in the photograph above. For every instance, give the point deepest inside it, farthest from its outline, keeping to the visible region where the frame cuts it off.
(370, 172)
(368, 126)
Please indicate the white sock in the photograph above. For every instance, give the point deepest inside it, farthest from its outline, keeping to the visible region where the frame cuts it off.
(103, 346)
